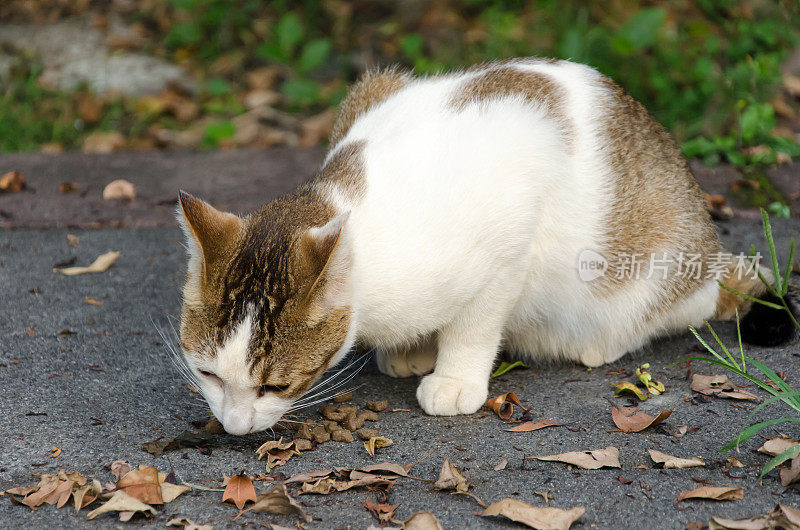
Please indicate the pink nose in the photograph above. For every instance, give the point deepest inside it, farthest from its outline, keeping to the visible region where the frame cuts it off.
(238, 423)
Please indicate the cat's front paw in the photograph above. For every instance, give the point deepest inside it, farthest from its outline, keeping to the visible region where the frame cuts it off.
(448, 396)
(406, 363)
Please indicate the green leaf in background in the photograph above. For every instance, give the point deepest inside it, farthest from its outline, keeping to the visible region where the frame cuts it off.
(272, 51)
(412, 45)
(217, 131)
(217, 87)
(640, 31)
(300, 92)
(289, 32)
(314, 54)
(183, 34)
(506, 367)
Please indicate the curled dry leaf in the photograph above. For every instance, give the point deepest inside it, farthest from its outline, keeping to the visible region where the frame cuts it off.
(121, 502)
(631, 419)
(608, 457)
(101, 264)
(187, 524)
(624, 386)
(673, 462)
(239, 490)
(450, 478)
(529, 426)
(277, 452)
(503, 405)
(422, 521)
(791, 474)
(540, 518)
(86, 494)
(776, 446)
(383, 512)
(734, 462)
(376, 442)
(142, 484)
(119, 189)
(278, 501)
(782, 516)
(714, 493)
(12, 182)
(119, 468)
(719, 386)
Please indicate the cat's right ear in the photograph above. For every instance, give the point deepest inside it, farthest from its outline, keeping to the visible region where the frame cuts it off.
(209, 232)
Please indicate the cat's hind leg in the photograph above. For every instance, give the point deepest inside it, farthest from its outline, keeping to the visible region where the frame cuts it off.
(417, 359)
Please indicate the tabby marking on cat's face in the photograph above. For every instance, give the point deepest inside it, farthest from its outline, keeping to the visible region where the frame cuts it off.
(266, 308)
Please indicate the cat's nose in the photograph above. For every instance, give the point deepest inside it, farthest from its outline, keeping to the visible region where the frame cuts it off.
(238, 422)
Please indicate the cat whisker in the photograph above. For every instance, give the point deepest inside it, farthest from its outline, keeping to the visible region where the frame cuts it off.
(323, 399)
(320, 386)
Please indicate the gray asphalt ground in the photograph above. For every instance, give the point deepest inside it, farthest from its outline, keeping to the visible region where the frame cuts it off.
(102, 391)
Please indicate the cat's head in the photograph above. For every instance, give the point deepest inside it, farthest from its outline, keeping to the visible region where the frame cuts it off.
(266, 307)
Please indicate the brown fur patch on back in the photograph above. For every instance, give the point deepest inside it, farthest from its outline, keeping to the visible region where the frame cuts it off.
(497, 82)
(345, 170)
(371, 88)
(656, 205)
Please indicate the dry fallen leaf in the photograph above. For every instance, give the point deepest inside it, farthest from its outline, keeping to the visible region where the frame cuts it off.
(239, 490)
(119, 468)
(422, 521)
(119, 189)
(278, 453)
(142, 484)
(121, 502)
(631, 419)
(101, 264)
(782, 516)
(529, 426)
(503, 405)
(608, 457)
(501, 465)
(86, 494)
(791, 474)
(625, 386)
(450, 478)
(55, 452)
(719, 386)
(278, 501)
(170, 492)
(714, 493)
(734, 462)
(187, 524)
(103, 142)
(776, 446)
(540, 518)
(376, 442)
(12, 182)
(673, 462)
(383, 512)
(73, 240)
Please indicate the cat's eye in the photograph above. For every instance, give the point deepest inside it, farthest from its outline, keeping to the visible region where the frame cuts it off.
(266, 389)
(211, 375)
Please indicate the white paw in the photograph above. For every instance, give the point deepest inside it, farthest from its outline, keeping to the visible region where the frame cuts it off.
(406, 363)
(447, 396)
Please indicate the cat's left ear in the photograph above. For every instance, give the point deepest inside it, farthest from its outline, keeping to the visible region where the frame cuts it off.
(209, 232)
(327, 256)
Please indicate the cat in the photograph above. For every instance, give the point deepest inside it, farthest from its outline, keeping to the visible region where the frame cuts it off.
(495, 208)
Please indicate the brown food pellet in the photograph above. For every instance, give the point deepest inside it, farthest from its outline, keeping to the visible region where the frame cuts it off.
(366, 434)
(347, 409)
(342, 436)
(353, 422)
(304, 432)
(377, 406)
(302, 444)
(214, 427)
(332, 413)
(331, 426)
(341, 398)
(321, 435)
(370, 415)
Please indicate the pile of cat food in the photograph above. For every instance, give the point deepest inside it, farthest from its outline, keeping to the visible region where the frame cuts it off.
(339, 423)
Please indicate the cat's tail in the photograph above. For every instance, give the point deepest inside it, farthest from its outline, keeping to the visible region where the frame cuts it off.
(760, 324)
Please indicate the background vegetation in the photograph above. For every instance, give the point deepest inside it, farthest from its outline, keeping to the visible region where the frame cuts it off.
(710, 70)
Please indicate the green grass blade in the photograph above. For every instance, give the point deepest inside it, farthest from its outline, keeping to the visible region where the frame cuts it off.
(739, 336)
(783, 396)
(790, 453)
(772, 375)
(754, 429)
(768, 285)
(709, 348)
(751, 298)
(772, 252)
(722, 345)
(785, 288)
(505, 367)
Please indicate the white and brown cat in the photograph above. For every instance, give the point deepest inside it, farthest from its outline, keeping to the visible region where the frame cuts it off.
(446, 224)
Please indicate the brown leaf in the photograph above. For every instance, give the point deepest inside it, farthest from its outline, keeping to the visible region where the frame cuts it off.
(119, 189)
(86, 494)
(12, 182)
(608, 457)
(239, 490)
(781, 517)
(121, 502)
(631, 419)
(719, 386)
(776, 446)
(91, 301)
(529, 426)
(309, 476)
(673, 462)
(103, 142)
(278, 501)
(142, 484)
(501, 465)
(386, 468)
(450, 478)
(119, 468)
(384, 512)
(422, 521)
(715, 493)
(187, 524)
(503, 405)
(278, 453)
(734, 462)
(540, 518)
(44, 492)
(101, 264)
(170, 492)
(376, 442)
(790, 474)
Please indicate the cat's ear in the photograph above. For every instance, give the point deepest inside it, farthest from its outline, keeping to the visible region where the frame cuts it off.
(326, 252)
(209, 232)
